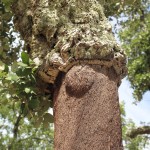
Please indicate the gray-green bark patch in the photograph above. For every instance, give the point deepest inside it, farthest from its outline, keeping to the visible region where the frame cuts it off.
(62, 34)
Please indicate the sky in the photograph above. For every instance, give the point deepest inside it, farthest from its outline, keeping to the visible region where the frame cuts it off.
(140, 111)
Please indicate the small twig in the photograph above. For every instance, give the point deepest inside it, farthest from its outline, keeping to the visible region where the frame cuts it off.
(15, 130)
(16, 126)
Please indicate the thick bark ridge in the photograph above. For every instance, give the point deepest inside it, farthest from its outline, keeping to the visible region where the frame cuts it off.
(87, 115)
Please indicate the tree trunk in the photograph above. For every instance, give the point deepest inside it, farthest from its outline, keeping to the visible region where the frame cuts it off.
(74, 37)
(86, 109)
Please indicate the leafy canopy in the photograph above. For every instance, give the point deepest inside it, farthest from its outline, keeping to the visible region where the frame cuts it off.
(20, 100)
(135, 37)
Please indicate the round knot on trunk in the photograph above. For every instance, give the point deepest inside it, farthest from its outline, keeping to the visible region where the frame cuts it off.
(79, 80)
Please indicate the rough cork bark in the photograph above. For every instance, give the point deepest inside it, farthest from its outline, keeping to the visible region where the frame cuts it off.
(75, 37)
(87, 115)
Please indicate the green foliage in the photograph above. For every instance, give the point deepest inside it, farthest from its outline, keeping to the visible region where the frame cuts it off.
(9, 51)
(18, 78)
(23, 109)
(135, 36)
(25, 58)
(18, 133)
(116, 7)
(19, 83)
(8, 4)
(138, 143)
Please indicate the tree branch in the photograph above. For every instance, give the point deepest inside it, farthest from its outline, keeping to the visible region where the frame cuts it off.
(139, 131)
(16, 125)
(15, 130)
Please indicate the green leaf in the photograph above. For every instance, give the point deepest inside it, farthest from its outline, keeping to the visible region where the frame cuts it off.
(32, 77)
(38, 122)
(2, 66)
(14, 66)
(2, 74)
(27, 90)
(45, 104)
(22, 64)
(12, 77)
(25, 58)
(46, 124)
(6, 68)
(33, 103)
(24, 72)
(48, 118)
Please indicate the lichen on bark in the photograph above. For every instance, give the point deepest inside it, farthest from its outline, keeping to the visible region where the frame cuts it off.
(62, 34)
